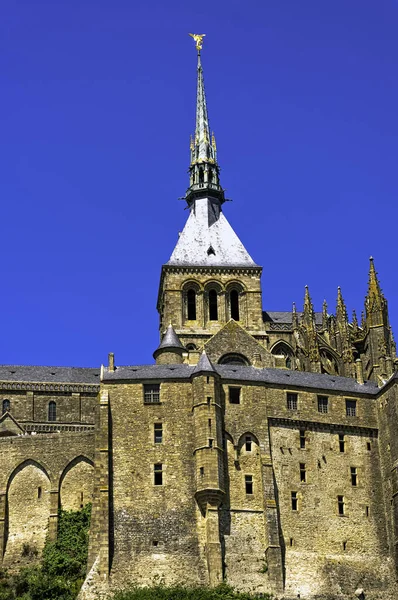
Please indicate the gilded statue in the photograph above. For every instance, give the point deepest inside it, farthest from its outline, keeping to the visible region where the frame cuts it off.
(198, 37)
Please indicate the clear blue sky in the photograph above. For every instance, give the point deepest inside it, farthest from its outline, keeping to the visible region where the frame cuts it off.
(97, 105)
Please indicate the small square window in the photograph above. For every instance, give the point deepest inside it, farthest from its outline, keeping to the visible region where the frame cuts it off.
(323, 404)
(158, 474)
(351, 408)
(151, 393)
(294, 501)
(249, 484)
(158, 433)
(234, 395)
(291, 400)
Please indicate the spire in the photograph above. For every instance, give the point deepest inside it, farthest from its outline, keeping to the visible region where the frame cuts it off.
(169, 343)
(204, 365)
(204, 170)
(308, 306)
(341, 310)
(354, 320)
(375, 303)
(324, 316)
(294, 316)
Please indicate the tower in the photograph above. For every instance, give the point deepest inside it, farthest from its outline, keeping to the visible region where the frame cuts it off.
(210, 277)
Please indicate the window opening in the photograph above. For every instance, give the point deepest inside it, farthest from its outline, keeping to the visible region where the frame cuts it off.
(291, 400)
(344, 545)
(6, 406)
(234, 395)
(294, 501)
(291, 542)
(249, 484)
(158, 474)
(341, 442)
(158, 433)
(303, 473)
(208, 400)
(302, 438)
(367, 510)
(39, 492)
(155, 543)
(52, 411)
(340, 503)
(211, 443)
(351, 408)
(213, 308)
(369, 446)
(354, 477)
(323, 404)
(151, 393)
(234, 303)
(210, 251)
(248, 443)
(201, 176)
(202, 471)
(207, 379)
(209, 423)
(191, 305)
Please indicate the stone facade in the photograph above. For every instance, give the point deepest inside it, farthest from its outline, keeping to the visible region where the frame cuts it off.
(260, 448)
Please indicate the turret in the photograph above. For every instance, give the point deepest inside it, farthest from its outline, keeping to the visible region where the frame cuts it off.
(170, 350)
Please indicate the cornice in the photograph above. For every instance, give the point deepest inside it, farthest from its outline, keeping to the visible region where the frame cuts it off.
(30, 386)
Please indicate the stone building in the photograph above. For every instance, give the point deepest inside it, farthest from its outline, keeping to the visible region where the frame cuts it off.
(260, 448)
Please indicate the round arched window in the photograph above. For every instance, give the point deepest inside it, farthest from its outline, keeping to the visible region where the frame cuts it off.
(234, 359)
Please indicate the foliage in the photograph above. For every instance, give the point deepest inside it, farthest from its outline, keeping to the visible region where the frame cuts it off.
(63, 567)
(222, 592)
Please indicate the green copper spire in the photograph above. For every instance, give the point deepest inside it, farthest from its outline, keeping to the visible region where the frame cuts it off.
(203, 170)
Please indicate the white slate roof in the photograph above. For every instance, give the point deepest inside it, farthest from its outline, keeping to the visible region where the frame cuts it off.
(209, 240)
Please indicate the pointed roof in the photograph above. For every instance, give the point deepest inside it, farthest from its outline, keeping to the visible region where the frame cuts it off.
(374, 296)
(170, 340)
(341, 310)
(204, 365)
(10, 426)
(202, 141)
(209, 240)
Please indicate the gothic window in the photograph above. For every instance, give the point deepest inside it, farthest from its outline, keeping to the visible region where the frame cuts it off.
(328, 363)
(285, 352)
(191, 305)
(6, 406)
(234, 359)
(234, 304)
(213, 305)
(52, 411)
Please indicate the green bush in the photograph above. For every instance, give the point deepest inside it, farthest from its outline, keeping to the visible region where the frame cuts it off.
(222, 592)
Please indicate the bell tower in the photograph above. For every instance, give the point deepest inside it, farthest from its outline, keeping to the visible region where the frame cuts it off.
(210, 277)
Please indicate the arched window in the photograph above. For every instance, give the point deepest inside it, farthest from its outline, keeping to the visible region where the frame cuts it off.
(234, 359)
(285, 352)
(6, 406)
(234, 304)
(191, 305)
(213, 308)
(210, 176)
(328, 363)
(191, 347)
(52, 411)
(201, 176)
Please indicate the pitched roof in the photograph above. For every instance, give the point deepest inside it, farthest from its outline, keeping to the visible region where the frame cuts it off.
(280, 377)
(49, 374)
(209, 240)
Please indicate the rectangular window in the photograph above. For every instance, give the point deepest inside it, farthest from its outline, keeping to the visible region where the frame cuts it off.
(249, 484)
(248, 443)
(303, 473)
(351, 408)
(202, 471)
(158, 433)
(291, 400)
(211, 443)
(367, 511)
(294, 501)
(369, 446)
(302, 438)
(234, 395)
(151, 393)
(158, 474)
(340, 504)
(354, 477)
(341, 442)
(323, 404)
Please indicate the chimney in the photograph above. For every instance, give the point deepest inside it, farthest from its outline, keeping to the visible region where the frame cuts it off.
(359, 371)
(111, 361)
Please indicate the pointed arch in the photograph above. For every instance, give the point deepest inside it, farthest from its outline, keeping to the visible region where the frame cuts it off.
(329, 361)
(284, 349)
(76, 483)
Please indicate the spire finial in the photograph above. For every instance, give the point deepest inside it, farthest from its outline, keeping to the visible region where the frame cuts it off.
(198, 37)
(341, 310)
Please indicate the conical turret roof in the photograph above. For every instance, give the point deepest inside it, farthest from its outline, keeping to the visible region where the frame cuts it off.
(170, 340)
(204, 365)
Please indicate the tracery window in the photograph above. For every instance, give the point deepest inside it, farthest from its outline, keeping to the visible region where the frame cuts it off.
(52, 411)
(283, 350)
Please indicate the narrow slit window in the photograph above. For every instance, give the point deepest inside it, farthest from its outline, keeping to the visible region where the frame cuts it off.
(367, 511)
(303, 473)
(152, 393)
(248, 443)
(369, 446)
(291, 400)
(39, 492)
(344, 546)
(341, 442)
(52, 411)
(158, 433)
(191, 305)
(291, 542)
(354, 477)
(158, 474)
(234, 303)
(211, 442)
(213, 306)
(208, 400)
(234, 395)
(302, 438)
(323, 404)
(249, 484)
(351, 408)
(294, 501)
(341, 505)
(201, 471)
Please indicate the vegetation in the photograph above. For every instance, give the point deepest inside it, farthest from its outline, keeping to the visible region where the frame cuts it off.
(63, 567)
(222, 592)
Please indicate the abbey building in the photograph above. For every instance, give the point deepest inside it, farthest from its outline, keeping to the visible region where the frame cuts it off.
(259, 448)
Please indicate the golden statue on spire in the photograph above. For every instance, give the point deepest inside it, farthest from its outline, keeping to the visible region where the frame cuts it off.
(198, 37)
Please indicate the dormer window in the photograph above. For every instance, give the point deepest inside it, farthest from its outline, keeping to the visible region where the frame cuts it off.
(211, 251)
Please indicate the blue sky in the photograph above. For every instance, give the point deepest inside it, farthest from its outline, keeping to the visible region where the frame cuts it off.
(97, 106)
